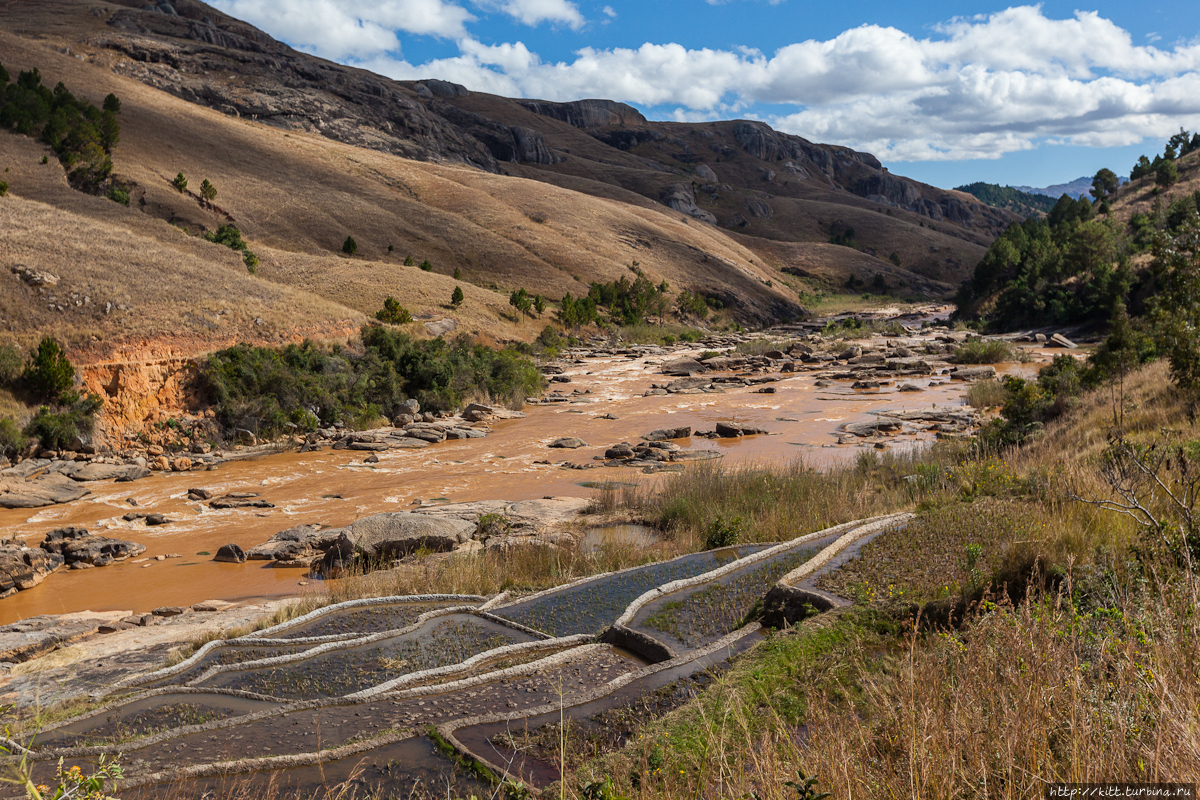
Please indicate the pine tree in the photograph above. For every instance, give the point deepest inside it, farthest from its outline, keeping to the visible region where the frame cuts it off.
(208, 191)
(456, 299)
(349, 247)
(180, 183)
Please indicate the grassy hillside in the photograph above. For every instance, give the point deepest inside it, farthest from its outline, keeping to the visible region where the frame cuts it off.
(296, 197)
(331, 160)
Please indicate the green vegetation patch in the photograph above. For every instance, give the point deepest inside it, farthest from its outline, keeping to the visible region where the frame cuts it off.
(264, 390)
(1023, 203)
(81, 135)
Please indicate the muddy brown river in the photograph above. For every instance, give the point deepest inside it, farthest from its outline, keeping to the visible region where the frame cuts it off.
(336, 487)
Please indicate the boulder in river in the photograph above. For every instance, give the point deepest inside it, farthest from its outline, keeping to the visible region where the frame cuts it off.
(25, 567)
(684, 367)
(662, 434)
(731, 430)
(569, 443)
(230, 554)
(103, 472)
(76, 545)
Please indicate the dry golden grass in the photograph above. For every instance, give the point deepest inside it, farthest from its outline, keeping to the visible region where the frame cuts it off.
(519, 570)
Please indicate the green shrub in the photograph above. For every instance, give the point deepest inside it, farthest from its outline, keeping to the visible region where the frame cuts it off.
(61, 427)
(409, 262)
(180, 183)
(251, 262)
(208, 191)
(229, 236)
(987, 351)
(393, 313)
(349, 247)
(11, 364)
(426, 266)
(723, 532)
(118, 194)
(3, 188)
(48, 373)
(456, 297)
(457, 274)
(12, 441)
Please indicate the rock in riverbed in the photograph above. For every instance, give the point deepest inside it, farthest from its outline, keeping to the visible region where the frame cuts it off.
(24, 567)
(76, 545)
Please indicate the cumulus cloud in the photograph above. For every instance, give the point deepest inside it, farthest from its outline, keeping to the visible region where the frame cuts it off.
(978, 87)
(535, 12)
(345, 29)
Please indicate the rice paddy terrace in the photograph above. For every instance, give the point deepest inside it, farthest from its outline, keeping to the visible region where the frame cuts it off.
(432, 692)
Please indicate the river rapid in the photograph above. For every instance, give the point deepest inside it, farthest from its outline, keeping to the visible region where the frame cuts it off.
(334, 487)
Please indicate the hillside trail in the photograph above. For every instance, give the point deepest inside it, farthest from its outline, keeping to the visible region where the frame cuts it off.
(335, 487)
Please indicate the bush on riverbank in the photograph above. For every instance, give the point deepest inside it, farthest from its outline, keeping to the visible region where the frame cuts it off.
(264, 390)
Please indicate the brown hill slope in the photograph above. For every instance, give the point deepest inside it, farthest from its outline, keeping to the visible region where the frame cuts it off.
(742, 176)
(296, 197)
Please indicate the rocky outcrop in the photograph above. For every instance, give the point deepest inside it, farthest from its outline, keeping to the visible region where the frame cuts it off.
(568, 443)
(78, 547)
(382, 537)
(24, 567)
(664, 434)
(680, 197)
(732, 430)
(302, 545)
(285, 88)
(587, 113)
(506, 143)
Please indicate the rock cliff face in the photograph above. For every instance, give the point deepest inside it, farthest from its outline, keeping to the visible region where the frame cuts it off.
(587, 113)
(186, 48)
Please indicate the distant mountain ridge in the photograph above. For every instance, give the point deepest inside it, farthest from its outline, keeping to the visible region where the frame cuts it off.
(1080, 187)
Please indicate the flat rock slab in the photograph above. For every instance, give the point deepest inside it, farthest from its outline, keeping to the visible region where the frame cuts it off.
(865, 429)
(44, 490)
(979, 373)
(105, 472)
(569, 443)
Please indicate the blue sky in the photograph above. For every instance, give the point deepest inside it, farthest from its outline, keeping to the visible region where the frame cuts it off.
(943, 92)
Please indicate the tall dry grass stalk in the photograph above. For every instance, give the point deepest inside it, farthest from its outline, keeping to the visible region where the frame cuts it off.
(774, 502)
(517, 569)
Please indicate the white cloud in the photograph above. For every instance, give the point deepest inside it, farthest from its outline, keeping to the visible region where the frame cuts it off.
(609, 12)
(977, 87)
(345, 29)
(535, 12)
